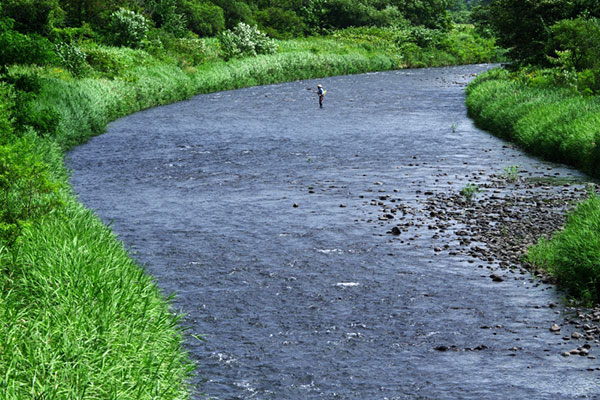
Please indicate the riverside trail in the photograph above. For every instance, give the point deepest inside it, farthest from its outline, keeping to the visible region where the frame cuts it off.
(271, 220)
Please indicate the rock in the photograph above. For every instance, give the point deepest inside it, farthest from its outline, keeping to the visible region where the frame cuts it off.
(296, 205)
(576, 335)
(555, 328)
(496, 278)
(396, 231)
(565, 354)
(442, 348)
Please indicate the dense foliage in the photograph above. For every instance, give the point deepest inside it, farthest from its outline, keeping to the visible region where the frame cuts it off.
(281, 19)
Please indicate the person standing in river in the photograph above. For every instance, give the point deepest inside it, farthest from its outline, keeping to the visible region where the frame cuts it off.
(321, 94)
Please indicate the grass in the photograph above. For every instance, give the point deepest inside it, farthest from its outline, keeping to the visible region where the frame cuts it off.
(470, 191)
(98, 328)
(552, 123)
(78, 318)
(573, 254)
(511, 173)
(558, 125)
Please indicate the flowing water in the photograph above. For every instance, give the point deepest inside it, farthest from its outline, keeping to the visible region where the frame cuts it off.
(255, 207)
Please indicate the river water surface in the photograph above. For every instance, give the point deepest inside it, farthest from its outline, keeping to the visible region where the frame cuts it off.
(256, 208)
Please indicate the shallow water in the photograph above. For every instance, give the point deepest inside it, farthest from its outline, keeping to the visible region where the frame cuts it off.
(317, 301)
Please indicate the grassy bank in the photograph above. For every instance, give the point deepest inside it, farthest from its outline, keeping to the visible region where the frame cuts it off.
(560, 125)
(79, 318)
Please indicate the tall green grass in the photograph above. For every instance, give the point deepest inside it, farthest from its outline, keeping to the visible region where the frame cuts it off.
(79, 318)
(573, 254)
(552, 123)
(82, 321)
(561, 126)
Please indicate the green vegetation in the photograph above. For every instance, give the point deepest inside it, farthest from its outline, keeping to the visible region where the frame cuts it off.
(470, 191)
(511, 173)
(546, 102)
(80, 320)
(573, 255)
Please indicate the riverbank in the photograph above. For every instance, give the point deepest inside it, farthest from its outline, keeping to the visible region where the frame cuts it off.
(80, 318)
(559, 125)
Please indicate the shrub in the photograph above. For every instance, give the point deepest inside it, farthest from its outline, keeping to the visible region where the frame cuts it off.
(28, 189)
(127, 28)
(71, 57)
(104, 61)
(7, 105)
(193, 51)
(245, 40)
(203, 18)
(72, 35)
(588, 82)
(419, 35)
(24, 79)
(17, 48)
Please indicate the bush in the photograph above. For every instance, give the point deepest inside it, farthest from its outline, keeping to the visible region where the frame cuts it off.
(245, 40)
(104, 61)
(580, 37)
(71, 57)
(28, 190)
(17, 48)
(72, 35)
(193, 51)
(588, 82)
(7, 105)
(127, 28)
(205, 19)
(421, 36)
(24, 79)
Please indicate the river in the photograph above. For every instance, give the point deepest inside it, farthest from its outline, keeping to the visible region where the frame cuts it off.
(261, 212)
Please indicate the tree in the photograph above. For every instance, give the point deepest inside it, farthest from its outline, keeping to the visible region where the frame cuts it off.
(33, 16)
(522, 26)
(203, 18)
(235, 12)
(280, 23)
(580, 38)
(429, 13)
(96, 12)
